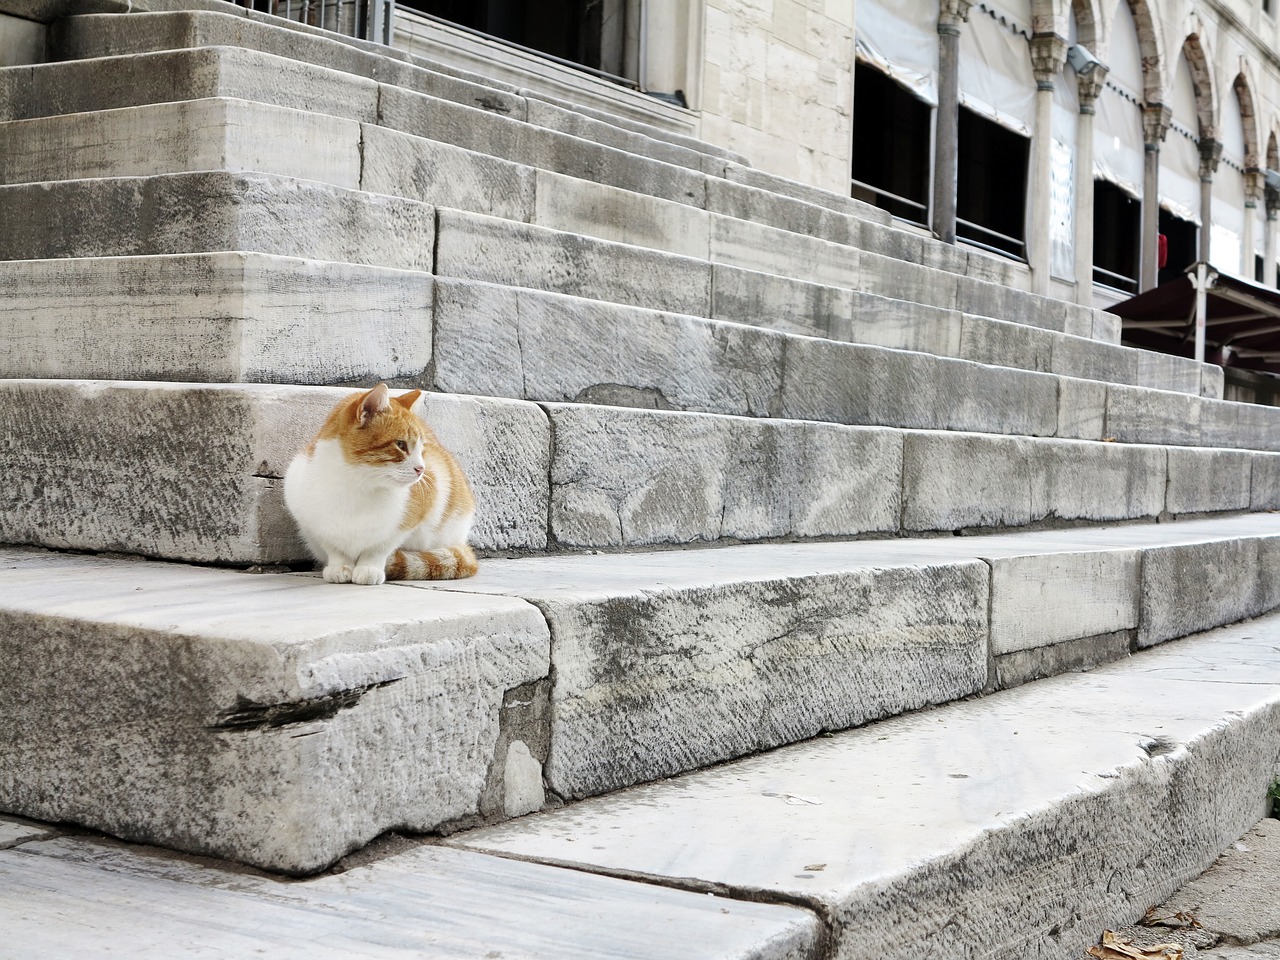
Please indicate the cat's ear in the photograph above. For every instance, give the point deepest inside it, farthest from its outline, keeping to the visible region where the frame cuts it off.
(374, 402)
(407, 400)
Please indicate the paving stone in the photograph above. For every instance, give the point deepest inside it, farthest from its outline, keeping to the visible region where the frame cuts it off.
(429, 902)
(290, 724)
(931, 828)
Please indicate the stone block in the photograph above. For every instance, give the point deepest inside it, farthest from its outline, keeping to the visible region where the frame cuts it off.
(1264, 482)
(630, 477)
(498, 251)
(610, 213)
(681, 671)
(1140, 415)
(743, 202)
(1163, 371)
(1037, 663)
(752, 246)
(498, 136)
(212, 134)
(214, 317)
(1077, 480)
(1191, 587)
(953, 481)
(1091, 360)
(403, 165)
(904, 325)
(1212, 381)
(211, 211)
(501, 341)
(576, 123)
(841, 203)
(846, 383)
(1047, 599)
(1002, 302)
(1208, 480)
(277, 721)
(1226, 423)
(1106, 327)
(895, 243)
(1082, 406)
(900, 280)
(956, 259)
(779, 303)
(194, 473)
(1005, 344)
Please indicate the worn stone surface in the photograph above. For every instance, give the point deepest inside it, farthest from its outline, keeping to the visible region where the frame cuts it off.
(624, 477)
(1208, 479)
(1082, 409)
(278, 721)
(211, 134)
(779, 303)
(214, 317)
(931, 828)
(404, 165)
(429, 902)
(214, 211)
(503, 341)
(470, 246)
(1147, 416)
(753, 246)
(886, 322)
(1036, 663)
(1039, 601)
(900, 280)
(137, 485)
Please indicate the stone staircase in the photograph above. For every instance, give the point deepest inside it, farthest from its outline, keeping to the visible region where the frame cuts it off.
(722, 429)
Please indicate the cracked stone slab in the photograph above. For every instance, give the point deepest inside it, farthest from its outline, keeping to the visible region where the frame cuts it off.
(267, 719)
(194, 473)
(72, 898)
(1019, 824)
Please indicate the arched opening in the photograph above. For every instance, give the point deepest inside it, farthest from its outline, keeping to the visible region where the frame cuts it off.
(1179, 192)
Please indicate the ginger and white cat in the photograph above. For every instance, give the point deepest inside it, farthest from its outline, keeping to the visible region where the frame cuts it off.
(378, 498)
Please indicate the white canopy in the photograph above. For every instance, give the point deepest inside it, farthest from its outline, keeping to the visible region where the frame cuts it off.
(900, 38)
(995, 75)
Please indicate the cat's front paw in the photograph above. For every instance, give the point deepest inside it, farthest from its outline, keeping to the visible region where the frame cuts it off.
(337, 573)
(369, 576)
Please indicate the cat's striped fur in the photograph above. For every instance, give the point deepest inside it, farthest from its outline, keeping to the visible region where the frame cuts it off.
(377, 497)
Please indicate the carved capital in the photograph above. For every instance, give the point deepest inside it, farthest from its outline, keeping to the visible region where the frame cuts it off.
(1089, 88)
(952, 14)
(1048, 54)
(1253, 181)
(1210, 155)
(1156, 118)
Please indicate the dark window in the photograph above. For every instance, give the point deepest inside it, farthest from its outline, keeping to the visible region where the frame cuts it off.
(891, 131)
(1258, 267)
(1267, 6)
(587, 32)
(1117, 232)
(991, 185)
(1181, 237)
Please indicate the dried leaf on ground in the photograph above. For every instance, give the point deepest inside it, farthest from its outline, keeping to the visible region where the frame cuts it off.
(1117, 948)
(1178, 921)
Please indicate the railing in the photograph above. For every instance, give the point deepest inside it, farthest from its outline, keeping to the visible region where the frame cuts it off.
(899, 207)
(362, 19)
(1117, 281)
(1001, 245)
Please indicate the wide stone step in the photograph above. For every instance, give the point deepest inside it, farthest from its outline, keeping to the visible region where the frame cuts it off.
(234, 317)
(282, 722)
(430, 903)
(613, 198)
(308, 51)
(193, 472)
(1017, 826)
(220, 211)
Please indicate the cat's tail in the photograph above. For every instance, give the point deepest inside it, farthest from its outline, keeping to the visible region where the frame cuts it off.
(443, 563)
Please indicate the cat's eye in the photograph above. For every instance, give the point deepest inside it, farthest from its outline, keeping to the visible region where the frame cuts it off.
(402, 446)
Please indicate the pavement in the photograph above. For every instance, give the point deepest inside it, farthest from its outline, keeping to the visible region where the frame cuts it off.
(1230, 912)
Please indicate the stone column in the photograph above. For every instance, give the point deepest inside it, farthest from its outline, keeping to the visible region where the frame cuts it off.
(1048, 54)
(1088, 89)
(1155, 124)
(1272, 200)
(954, 13)
(1252, 188)
(1210, 155)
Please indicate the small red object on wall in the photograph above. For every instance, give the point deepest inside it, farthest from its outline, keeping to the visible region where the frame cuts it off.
(1162, 250)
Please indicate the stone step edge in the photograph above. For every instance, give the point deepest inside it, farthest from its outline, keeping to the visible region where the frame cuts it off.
(575, 476)
(908, 823)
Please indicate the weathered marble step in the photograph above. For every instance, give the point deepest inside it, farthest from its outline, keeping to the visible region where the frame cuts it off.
(1016, 826)
(220, 211)
(95, 36)
(192, 472)
(647, 206)
(63, 896)
(235, 317)
(281, 721)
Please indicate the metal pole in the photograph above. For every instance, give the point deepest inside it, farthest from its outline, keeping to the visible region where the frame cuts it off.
(1201, 282)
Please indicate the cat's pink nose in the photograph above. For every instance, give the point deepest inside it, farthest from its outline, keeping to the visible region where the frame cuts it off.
(418, 470)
